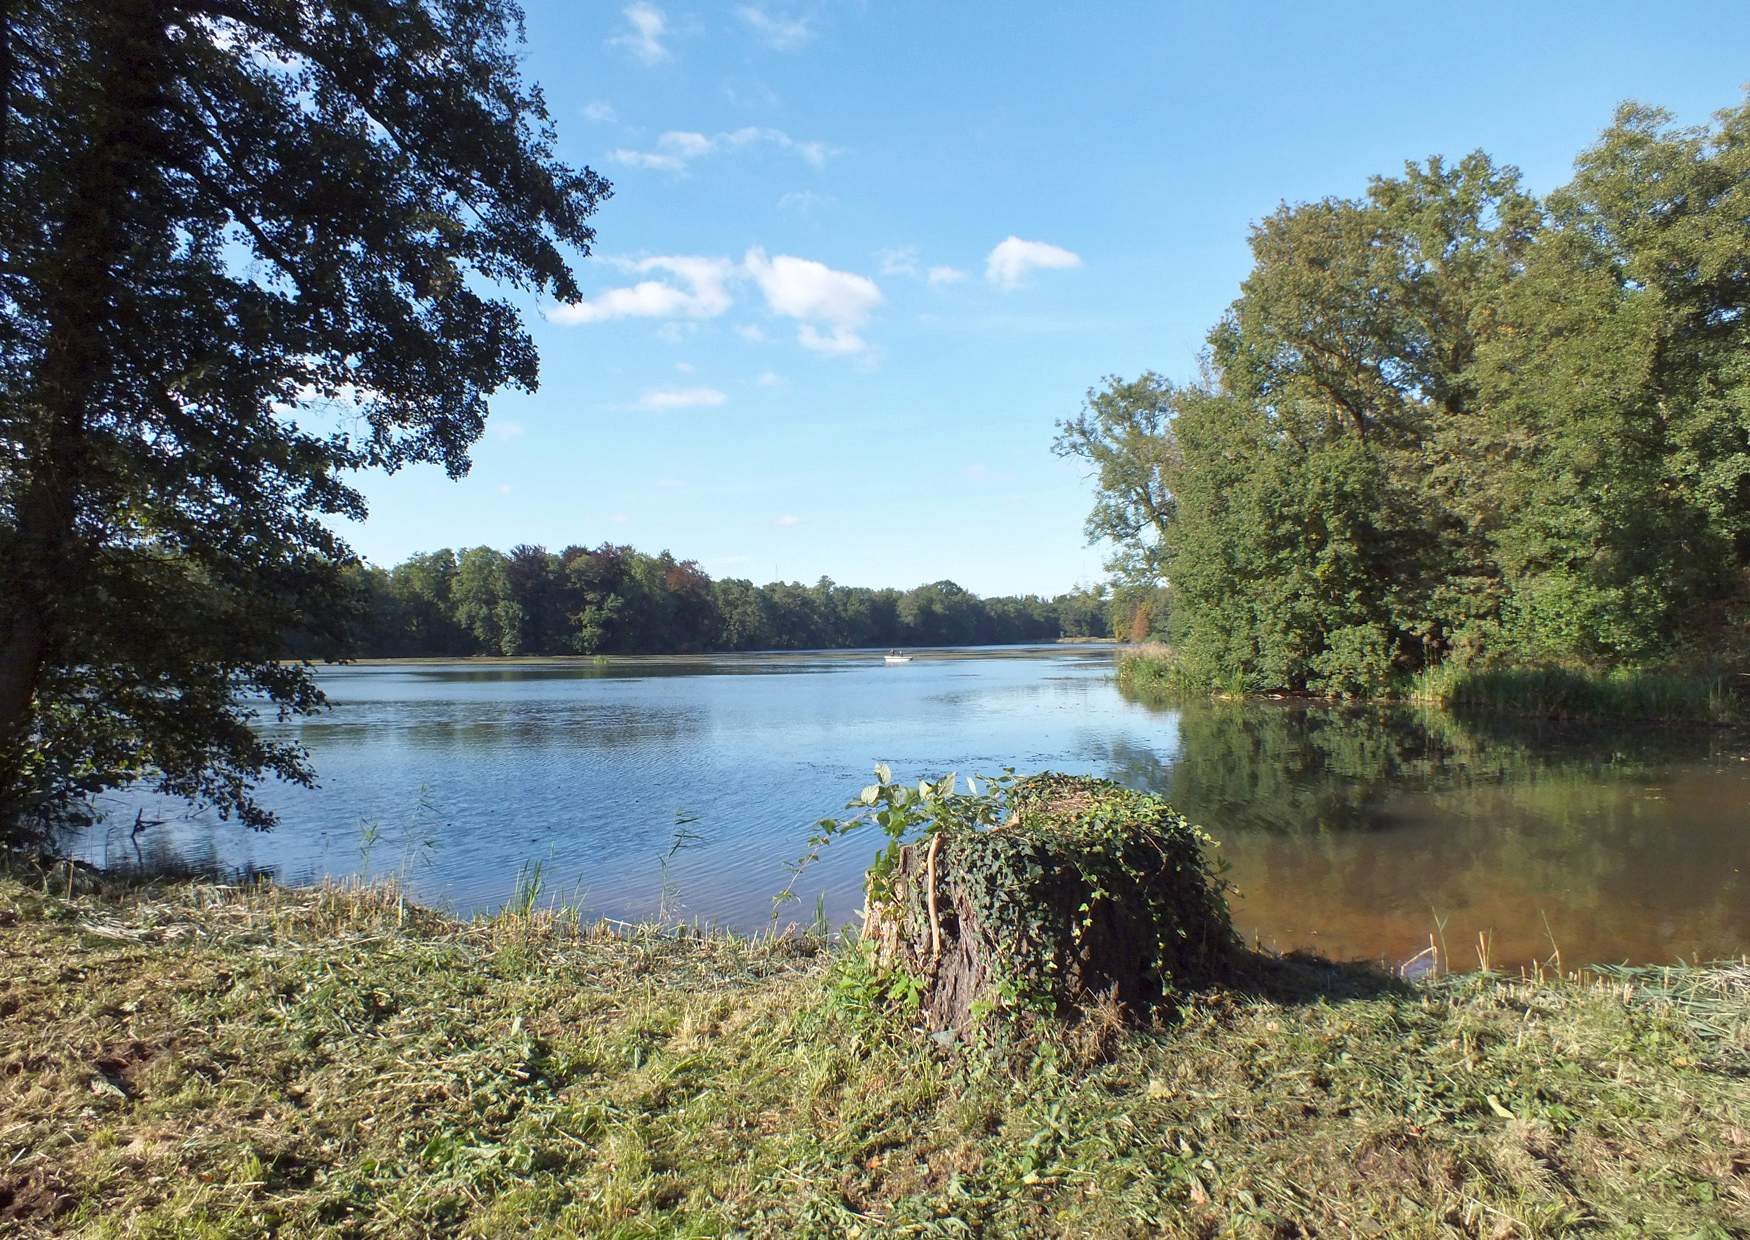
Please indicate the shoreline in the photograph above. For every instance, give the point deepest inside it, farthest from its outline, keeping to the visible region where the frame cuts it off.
(695, 656)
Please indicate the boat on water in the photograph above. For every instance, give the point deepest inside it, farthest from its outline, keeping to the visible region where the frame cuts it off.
(894, 656)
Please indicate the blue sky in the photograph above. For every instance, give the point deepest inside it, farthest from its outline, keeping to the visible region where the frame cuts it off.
(860, 257)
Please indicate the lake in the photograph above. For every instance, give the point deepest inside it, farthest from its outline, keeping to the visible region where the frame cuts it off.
(686, 786)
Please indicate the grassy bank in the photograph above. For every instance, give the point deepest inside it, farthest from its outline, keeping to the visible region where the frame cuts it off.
(1635, 694)
(194, 1060)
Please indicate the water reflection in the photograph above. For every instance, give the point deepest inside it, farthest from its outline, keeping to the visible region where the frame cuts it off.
(1355, 832)
(1369, 831)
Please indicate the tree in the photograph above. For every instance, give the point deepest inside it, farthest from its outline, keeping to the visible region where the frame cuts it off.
(1448, 422)
(485, 609)
(1124, 431)
(247, 248)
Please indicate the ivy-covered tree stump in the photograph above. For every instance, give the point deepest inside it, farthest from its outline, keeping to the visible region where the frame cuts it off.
(1083, 890)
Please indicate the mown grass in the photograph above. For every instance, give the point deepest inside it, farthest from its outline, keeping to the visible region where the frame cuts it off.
(196, 1060)
(1632, 694)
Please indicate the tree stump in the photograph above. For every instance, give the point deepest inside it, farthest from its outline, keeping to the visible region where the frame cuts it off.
(1087, 890)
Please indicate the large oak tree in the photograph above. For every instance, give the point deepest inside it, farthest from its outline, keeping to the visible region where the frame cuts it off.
(250, 247)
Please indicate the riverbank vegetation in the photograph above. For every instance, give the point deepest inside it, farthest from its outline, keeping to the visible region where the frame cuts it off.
(1450, 427)
(617, 600)
(188, 1059)
(1154, 673)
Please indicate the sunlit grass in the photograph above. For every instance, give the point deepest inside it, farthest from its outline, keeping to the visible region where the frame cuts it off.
(191, 1059)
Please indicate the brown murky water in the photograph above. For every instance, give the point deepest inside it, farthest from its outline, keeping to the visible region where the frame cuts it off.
(687, 785)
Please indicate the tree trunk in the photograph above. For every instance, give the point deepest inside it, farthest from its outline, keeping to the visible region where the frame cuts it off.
(77, 279)
(1091, 891)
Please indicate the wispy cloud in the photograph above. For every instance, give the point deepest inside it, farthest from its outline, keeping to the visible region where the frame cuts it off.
(787, 519)
(505, 428)
(784, 34)
(753, 333)
(599, 111)
(834, 342)
(899, 260)
(682, 398)
(770, 379)
(905, 260)
(678, 148)
(802, 201)
(1011, 260)
(816, 296)
(697, 291)
(647, 28)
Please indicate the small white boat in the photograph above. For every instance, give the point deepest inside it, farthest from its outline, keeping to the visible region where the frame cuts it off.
(893, 656)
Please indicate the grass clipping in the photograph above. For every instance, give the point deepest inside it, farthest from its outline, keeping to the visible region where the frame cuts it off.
(191, 1060)
(1086, 894)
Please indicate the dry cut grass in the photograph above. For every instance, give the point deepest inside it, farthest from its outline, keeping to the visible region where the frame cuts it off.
(192, 1060)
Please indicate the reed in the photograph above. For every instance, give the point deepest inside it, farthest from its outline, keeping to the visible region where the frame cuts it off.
(1569, 693)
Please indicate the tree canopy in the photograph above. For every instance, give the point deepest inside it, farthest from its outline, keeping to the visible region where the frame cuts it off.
(250, 246)
(1449, 421)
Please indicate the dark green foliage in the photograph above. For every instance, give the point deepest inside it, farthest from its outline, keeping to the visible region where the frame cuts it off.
(250, 246)
(617, 600)
(1446, 423)
(1073, 891)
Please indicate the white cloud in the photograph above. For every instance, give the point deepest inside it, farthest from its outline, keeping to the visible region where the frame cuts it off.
(700, 293)
(677, 148)
(685, 368)
(644, 39)
(648, 159)
(801, 288)
(770, 379)
(780, 33)
(829, 306)
(1011, 260)
(669, 484)
(504, 488)
(946, 275)
(787, 519)
(619, 518)
(816, 295)
(504, 428)
(684, 144)
(681, 398)
(599, 111)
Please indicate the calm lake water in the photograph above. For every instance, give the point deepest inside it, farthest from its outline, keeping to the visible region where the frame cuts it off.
(686, 785)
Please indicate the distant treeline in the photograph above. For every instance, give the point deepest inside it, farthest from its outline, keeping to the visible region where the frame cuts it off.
(617, 600)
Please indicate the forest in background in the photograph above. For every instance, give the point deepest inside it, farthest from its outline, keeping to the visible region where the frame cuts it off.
(617, 600)
(1449, 425)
